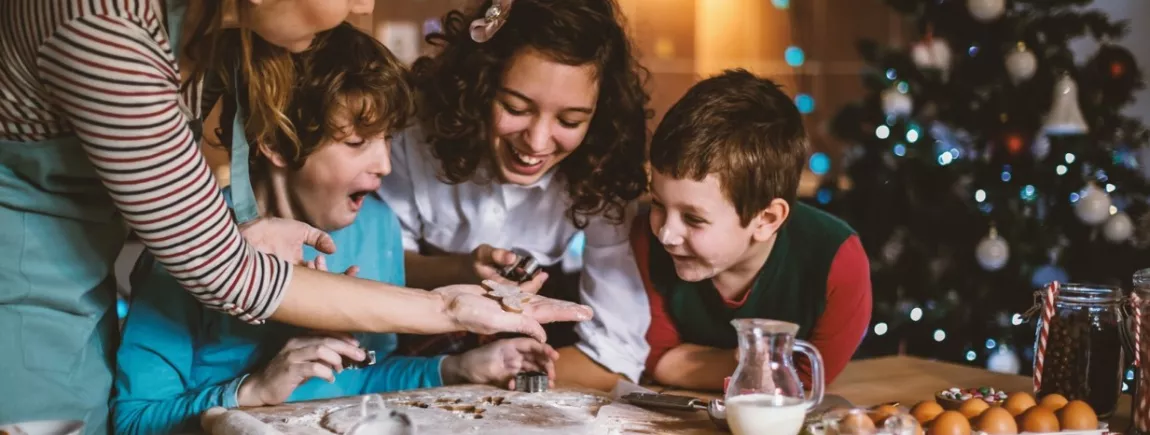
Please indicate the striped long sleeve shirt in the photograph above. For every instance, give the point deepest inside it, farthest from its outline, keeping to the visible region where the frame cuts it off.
(103, 70)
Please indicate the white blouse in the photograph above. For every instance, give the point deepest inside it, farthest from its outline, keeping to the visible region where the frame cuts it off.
(458, 218)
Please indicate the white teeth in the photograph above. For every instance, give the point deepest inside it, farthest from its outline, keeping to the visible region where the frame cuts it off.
(526, 160)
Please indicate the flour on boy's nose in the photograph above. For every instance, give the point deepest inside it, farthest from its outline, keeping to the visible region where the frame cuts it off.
(668, 238)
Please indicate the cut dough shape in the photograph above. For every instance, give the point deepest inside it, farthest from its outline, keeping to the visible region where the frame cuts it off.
(508, 295)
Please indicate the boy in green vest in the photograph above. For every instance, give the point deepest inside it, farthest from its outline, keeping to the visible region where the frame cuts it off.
(725, 237)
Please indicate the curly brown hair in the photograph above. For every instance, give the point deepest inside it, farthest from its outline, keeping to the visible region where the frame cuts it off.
(347, 74)
(459, 84)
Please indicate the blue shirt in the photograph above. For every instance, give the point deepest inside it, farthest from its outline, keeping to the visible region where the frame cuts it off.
(178, 359)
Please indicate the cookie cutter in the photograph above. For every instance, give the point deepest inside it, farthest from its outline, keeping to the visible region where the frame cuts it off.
(532, 382)
(369, 360)
(524, 269)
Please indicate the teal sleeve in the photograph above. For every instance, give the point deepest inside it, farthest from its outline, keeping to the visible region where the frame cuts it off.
(395, 373)
(154, 387)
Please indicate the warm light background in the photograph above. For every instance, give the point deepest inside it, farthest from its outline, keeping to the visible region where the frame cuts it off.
(683, 40)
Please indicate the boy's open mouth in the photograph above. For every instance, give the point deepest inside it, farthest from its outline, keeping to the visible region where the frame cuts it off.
(357, 198)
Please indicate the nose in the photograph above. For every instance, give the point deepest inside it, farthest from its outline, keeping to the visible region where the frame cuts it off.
(380, 160)
(539, 136)
(671, 234)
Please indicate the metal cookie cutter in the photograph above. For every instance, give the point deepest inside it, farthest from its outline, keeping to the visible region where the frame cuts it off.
(524, 269)
(531, 382)
(349, 364)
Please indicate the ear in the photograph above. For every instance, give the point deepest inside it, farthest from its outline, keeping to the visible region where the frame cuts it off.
(274, 157)
(362, 7)
(767, 223)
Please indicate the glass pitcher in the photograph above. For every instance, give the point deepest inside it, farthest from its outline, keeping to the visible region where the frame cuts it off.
(765, 394)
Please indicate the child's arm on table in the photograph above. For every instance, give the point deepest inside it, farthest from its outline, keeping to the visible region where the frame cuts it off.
(153, 372)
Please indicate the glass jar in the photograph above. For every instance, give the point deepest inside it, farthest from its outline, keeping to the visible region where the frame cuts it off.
(1084, 357)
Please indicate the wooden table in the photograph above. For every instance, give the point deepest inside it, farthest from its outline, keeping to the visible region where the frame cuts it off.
(909, 380)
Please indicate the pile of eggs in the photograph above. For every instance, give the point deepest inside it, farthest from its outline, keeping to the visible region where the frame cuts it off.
(1018, 413)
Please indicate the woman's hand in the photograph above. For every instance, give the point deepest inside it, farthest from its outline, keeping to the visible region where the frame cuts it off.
(497, 363)
(471, 310)
(284, 238)
(486, 261)
(302, 358)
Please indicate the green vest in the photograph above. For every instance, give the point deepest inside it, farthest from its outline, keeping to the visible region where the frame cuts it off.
(791, 286)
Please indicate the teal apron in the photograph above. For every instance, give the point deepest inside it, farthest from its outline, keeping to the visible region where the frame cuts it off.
(61, 235)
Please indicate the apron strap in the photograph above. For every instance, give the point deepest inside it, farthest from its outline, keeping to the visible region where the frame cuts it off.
(243, 197)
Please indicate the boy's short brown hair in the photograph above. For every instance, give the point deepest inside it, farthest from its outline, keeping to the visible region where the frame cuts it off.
(346, 74)
(741, 128)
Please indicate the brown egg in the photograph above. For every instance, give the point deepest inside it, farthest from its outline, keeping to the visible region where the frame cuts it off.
(1053, 401)
(1018, 403)
(1038, 419)
(880, 413)
(997, 421)
(856, 423)
(926, 411)
(1077, 415)
(949, 423)
(973, 407)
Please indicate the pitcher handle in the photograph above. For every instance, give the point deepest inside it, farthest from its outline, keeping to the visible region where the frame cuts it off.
(817, 379)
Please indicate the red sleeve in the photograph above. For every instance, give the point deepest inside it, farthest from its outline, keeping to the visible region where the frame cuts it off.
(847, 315)
(661, 335)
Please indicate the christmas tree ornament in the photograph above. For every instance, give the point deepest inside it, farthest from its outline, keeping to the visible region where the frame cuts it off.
(1093, 206)
(992, 252)
(896, 103)
(1021, 63)
(1040, 148)
(932, 54)
(986, 10)
(1065, 117)
(1004, 360)
(1117, 72)
(1118, 228)
(1051, 272)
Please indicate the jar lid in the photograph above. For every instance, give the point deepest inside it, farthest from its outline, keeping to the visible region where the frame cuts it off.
(1089, 293)
(1142, 281)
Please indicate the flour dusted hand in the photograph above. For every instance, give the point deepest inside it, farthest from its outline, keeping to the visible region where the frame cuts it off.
(302, 358)
(285, 238)
(472, 310)
(497, 363)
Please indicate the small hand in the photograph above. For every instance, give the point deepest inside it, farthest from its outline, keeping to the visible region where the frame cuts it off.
(285, 238)
(320, 263)
(302, 358)
(472, 311)
(497, 363)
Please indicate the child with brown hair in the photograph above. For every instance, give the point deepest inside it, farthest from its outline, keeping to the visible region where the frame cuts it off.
(726, 238)
(178, 358)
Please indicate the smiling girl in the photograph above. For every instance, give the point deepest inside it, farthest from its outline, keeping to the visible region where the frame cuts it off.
(532, 127)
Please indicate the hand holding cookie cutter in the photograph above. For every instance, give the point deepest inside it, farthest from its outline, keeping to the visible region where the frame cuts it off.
(524, 269)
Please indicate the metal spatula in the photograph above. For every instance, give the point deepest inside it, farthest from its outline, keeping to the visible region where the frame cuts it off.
(714, 408)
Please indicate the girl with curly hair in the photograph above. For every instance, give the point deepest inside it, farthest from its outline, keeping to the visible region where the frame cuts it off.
(532, 128)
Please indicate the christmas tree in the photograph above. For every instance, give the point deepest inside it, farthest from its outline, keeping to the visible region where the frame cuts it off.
(985, 162)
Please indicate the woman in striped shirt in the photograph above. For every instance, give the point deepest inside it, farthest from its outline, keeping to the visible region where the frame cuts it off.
(94, 128)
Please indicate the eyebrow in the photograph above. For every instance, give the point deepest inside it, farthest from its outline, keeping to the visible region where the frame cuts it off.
(586, 110)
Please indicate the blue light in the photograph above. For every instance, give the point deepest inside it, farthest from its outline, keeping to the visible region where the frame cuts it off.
(805, 103)
(794, 56)
(891, 74)
(945, 159)
(991, 344)
(1074, 197)
(1029, 193)
(912, 135)
(824, 195)
(985, 208)
(980, 195)
(900, 150)
(903, 87)
(954, 152)
(970, 355)
(972, 51)
(1005, 176)
(781, 4)
(820, 163)
(1130, 375)
(1061, 169)
(122, 308)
